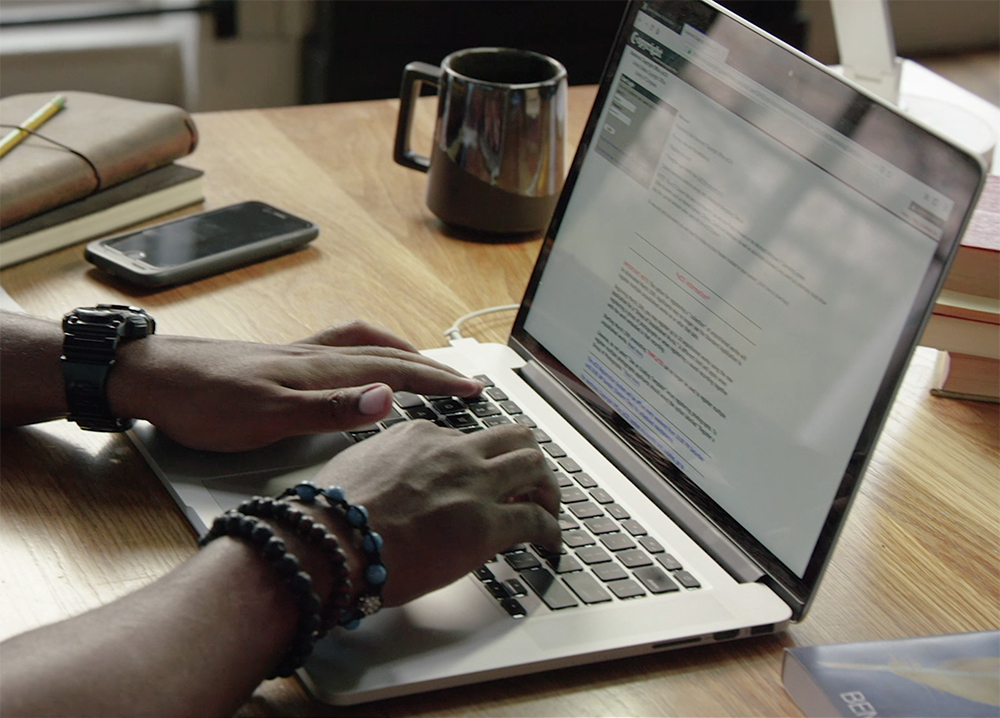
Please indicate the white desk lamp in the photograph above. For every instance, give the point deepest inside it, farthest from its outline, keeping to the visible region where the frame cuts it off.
(868, 57)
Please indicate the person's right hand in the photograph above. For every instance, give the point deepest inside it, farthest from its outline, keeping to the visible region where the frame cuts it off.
(445, 502)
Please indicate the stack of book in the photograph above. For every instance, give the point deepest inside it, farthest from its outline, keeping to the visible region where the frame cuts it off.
(98, 165)
(965, 326)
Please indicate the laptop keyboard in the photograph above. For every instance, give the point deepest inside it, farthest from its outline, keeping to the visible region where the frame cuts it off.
(606, 555)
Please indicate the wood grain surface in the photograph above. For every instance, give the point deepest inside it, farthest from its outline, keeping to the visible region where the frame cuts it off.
(83, 519)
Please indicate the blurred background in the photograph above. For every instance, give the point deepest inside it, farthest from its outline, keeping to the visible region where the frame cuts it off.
(229, 54)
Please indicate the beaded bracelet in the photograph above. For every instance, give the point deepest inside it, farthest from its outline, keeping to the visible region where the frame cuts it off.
(261, 536)
(315, 533)
(356, 516)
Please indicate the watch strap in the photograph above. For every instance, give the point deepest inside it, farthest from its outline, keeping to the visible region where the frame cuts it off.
(91, 336)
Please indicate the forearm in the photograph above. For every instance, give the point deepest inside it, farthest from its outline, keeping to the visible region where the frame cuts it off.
(196, 642)
(31, 381)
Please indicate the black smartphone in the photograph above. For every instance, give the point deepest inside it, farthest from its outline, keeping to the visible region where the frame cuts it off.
(193, 247)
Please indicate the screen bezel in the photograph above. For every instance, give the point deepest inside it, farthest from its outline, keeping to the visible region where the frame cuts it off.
(965, 184)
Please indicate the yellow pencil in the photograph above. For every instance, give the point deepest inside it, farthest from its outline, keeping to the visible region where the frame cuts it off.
(32, 123)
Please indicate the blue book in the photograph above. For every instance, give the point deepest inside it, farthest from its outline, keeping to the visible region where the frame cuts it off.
(932, 677)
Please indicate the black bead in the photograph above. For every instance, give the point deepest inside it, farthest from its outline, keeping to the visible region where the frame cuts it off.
(287, 565)
(261, 534)
(274, 548)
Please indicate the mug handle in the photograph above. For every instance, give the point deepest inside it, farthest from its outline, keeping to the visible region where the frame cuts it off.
(415, 74)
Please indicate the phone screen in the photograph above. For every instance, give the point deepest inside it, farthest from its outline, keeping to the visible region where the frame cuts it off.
(203, 235)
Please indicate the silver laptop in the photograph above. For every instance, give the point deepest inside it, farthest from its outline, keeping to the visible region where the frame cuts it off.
(741, 262)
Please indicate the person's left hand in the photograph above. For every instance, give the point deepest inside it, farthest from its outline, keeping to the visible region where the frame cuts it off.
(233, 396)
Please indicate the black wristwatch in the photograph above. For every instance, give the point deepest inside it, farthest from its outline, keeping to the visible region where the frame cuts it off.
(91, 336)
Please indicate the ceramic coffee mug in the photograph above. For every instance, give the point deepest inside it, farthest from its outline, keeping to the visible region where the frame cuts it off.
(496, 164)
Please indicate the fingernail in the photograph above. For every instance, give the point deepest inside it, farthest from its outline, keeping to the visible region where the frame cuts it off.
(375, 400)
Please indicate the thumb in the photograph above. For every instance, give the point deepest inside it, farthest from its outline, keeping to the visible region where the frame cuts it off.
(338, 409)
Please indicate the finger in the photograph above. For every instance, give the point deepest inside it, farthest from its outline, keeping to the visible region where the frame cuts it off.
(312, 412)
(358, 333)
(546, 494)
(418, 375)
(527, 522)
(503, 439)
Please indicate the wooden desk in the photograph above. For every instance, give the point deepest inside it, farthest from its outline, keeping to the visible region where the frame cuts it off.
(84, 520)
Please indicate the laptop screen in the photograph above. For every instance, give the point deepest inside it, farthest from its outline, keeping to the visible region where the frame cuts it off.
(738, 269)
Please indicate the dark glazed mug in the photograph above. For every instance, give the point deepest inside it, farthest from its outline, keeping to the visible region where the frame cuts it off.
(496, 163)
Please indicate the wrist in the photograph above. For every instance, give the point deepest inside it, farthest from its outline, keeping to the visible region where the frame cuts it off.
(130, 381)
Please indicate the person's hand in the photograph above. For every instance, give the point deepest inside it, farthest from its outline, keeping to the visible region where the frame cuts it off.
(233, 396)
(445, 502)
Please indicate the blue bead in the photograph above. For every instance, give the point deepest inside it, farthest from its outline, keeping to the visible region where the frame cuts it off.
(335, 494)
(376, 575)
(357, 516)
(307, 491)
(371, 543)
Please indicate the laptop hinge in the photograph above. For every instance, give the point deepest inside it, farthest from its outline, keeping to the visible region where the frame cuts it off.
(716, 544)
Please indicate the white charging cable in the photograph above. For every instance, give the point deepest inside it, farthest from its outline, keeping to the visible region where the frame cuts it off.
(454, 332)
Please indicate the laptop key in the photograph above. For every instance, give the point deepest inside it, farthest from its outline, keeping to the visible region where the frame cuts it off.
(569, 466)
(407, 400)
(566, 523)
(496, 393)
(572, 495)
(449, 406)
(540, 436)
(617, 511)
(651, 544)
(669, 562)
(496, 420)
(461, 421)
(587, 588)
(565, 564)
(617, 542)
(554, 450)
(609, 572)
(421, 412)
(593, 554)
(634, 527)
(510, 407)
(585, 510)
(626, 589)
(514, 607)
(634, 558)
(563, 480)
(655, 579)
(515, 588)
(362, 435)
(601, 496)
(392, 421)
(483, 574)
(601, 525)
(483, 410)
(585, 480)
(576, 538)
(525, 420)
(523, 560)
(549, 589)
(497, 589)
(483, 379)
(686, 579)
